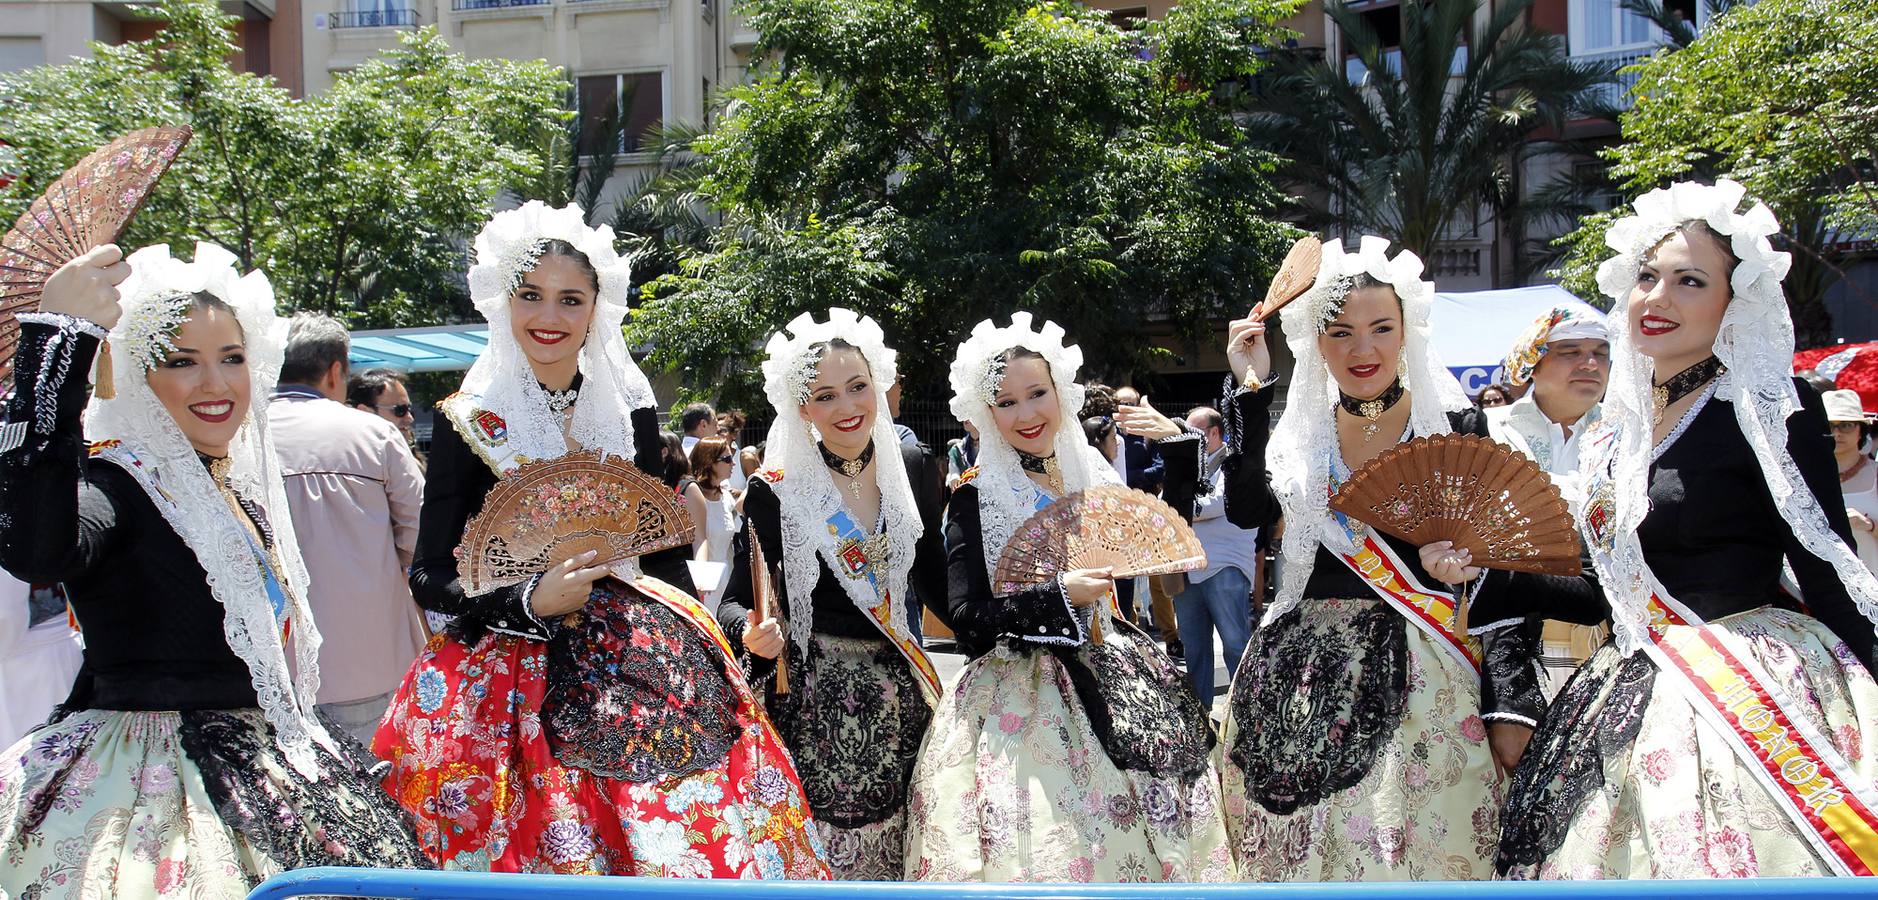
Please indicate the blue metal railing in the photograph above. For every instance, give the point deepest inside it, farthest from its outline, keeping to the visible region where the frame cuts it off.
(335, 882)
(463, 5)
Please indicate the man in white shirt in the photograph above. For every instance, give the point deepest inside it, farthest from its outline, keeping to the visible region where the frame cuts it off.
(1566, 358)
(1218, 597)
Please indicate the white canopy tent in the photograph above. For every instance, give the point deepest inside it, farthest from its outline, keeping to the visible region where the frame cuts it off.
(1474, 330)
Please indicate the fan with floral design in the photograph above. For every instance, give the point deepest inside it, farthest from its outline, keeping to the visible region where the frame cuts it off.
(549, 511)
(1108, 526)
(1486, 497)
(88, 207)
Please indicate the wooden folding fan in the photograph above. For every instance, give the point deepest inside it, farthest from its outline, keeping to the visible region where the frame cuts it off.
(1132, 532)
(1295, 276)
(549, 511)
(88, 207)
(1486, 497)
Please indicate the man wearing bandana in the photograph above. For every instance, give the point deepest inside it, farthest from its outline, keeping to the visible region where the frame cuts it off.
(1564, 360)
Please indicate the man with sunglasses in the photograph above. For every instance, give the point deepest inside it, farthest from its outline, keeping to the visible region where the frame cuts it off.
(354, 490)
(381, 392)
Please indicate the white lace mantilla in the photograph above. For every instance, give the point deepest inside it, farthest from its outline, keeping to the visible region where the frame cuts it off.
(612, 385)
(1305, 439)
(1755, 343)
(806, 491)
(154, 450)
(1006, 496)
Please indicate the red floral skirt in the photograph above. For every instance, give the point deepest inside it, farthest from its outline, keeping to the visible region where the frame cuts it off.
(473, 761)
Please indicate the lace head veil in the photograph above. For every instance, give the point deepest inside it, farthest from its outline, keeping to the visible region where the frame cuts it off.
(1755, 343)
(1006, 496)
(807, 493)
(156, 301)
(1302, 443)
(612, 385)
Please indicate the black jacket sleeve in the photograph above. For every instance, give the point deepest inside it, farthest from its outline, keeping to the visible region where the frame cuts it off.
(648, 442)
(762, 512)
(55, 524)
(1809, 440)
(1039, 615)
(455, 487)
(1180, 470)
(928, 578)
(1250, 500)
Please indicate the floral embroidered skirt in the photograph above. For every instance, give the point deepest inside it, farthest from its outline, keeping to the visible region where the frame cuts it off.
(853, 723)
(1624, 779)
(1354, 751)
(200, 804)
(1013, 784)
(469, 739)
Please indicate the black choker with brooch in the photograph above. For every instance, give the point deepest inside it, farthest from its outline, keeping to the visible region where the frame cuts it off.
(1682, 384)
(849, 467)
(1371, 410)
(559, 402)
(1046, 466)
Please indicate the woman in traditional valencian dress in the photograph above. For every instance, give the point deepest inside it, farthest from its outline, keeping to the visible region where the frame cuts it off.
(1055, 757)
(188, 760)
(834, 507)
(1355, 747)
(1742, 740)
(574, 723)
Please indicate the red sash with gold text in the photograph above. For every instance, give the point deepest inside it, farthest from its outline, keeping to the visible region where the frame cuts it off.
(1435, 612)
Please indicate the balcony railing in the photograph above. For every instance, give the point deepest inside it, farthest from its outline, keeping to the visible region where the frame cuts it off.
(1618, 94)
(463, 5)
(377, 18)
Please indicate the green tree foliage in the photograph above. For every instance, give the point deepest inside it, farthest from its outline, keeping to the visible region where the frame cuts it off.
(1429, 135)
(934, 162)
(1781, 95)
(357, 202)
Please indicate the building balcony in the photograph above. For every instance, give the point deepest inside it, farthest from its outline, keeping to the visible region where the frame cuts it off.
(377, 18)
(472, 5)
(1618, 93)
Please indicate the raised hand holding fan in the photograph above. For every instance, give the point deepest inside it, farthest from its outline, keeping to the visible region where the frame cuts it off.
(87, 207)
(1483, 495)
(552, 510)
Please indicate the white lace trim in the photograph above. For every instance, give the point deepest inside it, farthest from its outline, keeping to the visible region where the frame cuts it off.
(807, 495)
(1305, 439)
(1006, 496)
(612, 385)
(1688, 418)
(189, 498)
(1755, 342)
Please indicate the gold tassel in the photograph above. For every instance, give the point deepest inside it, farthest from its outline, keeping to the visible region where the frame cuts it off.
(102, 385)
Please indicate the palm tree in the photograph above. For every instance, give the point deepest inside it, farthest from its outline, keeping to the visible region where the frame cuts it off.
(1429, 134)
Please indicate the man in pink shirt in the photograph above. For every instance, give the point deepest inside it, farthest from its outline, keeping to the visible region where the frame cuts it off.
(354, 490)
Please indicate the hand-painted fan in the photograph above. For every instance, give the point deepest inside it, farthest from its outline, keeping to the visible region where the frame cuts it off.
(1111, 525)
(1295, 276)
(88, 207)
(553, 510)
(1481, 494)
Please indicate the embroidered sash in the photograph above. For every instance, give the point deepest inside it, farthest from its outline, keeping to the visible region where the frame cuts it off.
(1437, 613)
(1434, 612)
(485, 432)
(1834, 807)
(851, 559)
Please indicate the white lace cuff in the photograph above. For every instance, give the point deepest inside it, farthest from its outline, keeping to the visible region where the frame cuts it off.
(1514, 718)
(1478, 630)
(63, 322)
(1073, 636)
(517, 622)
(48, 380)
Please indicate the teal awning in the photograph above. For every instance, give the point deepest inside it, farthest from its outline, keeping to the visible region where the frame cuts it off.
(441, 348)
